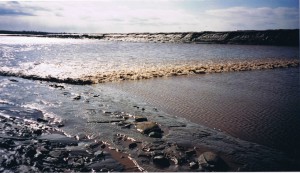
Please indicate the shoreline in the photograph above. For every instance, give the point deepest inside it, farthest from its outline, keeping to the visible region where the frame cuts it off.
(280, 37)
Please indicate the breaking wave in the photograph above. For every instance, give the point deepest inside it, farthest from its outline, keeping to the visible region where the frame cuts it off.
(38, 72)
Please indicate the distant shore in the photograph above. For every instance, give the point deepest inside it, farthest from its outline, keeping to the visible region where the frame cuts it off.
(281, 37)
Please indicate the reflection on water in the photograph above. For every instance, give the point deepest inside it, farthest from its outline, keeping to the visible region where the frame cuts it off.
(258, 106)
(101, 61)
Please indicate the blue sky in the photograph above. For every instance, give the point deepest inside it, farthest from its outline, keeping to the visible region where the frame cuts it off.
(103, 16)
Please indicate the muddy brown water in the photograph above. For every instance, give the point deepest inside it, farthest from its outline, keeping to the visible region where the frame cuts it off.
(257, 106)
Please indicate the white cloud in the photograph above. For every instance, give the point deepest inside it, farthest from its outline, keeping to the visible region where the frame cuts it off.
(138, 16)
(255, 18)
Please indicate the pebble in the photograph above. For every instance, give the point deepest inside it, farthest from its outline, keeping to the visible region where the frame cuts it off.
(42, 120)
(161, 161)
(147, 127)
(193, 165)
(77, 97)
(140, 118)
(81, 136)
(155, 135)
(211, 161)
(190, 153)
(132, 145)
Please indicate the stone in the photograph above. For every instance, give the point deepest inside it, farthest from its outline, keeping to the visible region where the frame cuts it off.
(103, 146)
(94, 145)
(160, 160)
(60, 125)
(132, 145)
(211, 161)
(140, 118)
(147, 127)
(81, 136)
(99, 154)
(155, 135)
(30, 151)
(193, 165)
(190, 153)
(77, 98)
(38, 132)
(41, 120)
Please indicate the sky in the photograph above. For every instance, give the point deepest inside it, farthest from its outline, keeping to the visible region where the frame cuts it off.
(121, 16)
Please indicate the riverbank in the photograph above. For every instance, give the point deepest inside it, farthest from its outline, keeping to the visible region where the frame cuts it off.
(282, 37)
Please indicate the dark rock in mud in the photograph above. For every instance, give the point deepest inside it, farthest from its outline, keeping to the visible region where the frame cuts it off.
(13, 80)
(155, 135)
(132, 145)
(30, 151)
(60, 125)
(161, 161)
(211, 161)
(99, 154)
(140, 118)
(57, 86)
(190, 153)
(42, 120)
(194, 165)
(59, 139)
(81, 136)
(147, 127)
(94, 145)
(77, 98)
(103, 146)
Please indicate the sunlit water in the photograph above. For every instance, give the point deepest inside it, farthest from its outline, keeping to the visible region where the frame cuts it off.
(258, 106)
(81, 59)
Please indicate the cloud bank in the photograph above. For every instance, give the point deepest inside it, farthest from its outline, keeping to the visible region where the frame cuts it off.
(140, 16)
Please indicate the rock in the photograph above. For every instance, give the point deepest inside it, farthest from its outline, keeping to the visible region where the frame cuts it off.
(140, 118)
(9, 162)
(103, 146)
(132, 145)
(161, 161)
(37, 132)
(77, 97)
(211, 161)
(41, 120)
(30, 151)
(57, 86)
(13, 80)
(94, 145)
(99, 154)
(7, 143)
(44, 149)
(147, 127)
(155, 135)
(194, 165)
(190, 153)
(60, 125)
(127, 126)
(81, 136)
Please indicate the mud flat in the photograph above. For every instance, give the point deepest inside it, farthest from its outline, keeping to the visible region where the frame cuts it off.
(29, 142)
(94, 122)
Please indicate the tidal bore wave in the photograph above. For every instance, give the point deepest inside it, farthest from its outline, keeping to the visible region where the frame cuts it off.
(149, 71)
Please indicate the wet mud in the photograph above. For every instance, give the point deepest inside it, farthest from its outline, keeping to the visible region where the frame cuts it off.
(97, 129)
